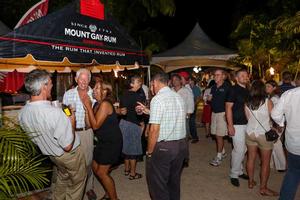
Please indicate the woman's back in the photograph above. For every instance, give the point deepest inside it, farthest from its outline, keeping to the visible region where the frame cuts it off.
(262, 115)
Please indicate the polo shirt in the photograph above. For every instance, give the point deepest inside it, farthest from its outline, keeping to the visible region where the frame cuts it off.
(219, 96)
(238, 96)
(168, 110)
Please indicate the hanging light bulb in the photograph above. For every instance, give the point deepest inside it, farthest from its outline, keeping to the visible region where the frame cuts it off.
(195, 69)
(272, 71)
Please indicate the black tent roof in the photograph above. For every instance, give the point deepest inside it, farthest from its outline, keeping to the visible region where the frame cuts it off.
(68, 34)
(197, 43)
(3, 29)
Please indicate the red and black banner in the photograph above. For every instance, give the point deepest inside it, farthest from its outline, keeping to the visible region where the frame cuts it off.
(69, 34)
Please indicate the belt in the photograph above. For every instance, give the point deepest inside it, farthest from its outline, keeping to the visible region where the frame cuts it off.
(82, 129)
(165, 141)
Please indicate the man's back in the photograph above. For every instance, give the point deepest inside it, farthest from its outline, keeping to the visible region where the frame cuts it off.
(50, 128)
(288, 108)
(168, 110)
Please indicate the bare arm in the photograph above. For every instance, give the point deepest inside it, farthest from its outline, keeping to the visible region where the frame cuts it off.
(229, 118)
(270, 106)
(152, 137)
(97, 120)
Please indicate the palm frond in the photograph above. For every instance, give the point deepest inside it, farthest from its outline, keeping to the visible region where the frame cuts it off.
(21, 165)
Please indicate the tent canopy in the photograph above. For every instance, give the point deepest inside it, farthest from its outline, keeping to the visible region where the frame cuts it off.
(3, 28)
(196, 50)
(65, 40)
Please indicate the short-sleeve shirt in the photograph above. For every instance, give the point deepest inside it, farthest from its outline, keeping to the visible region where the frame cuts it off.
(129, 100)
(196, 92)
(219, 96)
(238, 96)
(188, 97)
(168, 110)
(50, 127)
(72, 97)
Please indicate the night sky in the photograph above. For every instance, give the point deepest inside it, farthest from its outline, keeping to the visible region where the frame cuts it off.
(217, 18)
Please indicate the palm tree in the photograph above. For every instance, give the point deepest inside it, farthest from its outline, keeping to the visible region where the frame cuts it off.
(263, 42)
(21, 167)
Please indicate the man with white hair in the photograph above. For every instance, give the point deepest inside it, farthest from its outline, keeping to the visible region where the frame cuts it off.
(53, 132)
(73, 98)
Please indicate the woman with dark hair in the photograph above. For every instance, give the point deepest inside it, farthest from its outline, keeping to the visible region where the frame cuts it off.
(258, 108)
(104, 122)
(131, 126)
(278, 155)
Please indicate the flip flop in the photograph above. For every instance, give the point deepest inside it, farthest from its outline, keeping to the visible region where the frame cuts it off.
(136, 176)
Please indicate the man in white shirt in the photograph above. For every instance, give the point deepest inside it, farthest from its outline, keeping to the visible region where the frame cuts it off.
(167, 147)
(73, 98)
(288, 108)
(188, 99)
(53, 132)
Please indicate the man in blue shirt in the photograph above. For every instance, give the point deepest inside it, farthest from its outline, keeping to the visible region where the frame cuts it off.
(197, 97)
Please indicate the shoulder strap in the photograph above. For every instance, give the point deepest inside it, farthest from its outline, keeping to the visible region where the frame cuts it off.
(257, 120)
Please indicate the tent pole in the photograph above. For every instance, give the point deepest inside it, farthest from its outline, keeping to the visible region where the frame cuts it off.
(149, 75)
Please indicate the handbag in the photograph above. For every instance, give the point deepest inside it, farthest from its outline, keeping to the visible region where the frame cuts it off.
(271, 135)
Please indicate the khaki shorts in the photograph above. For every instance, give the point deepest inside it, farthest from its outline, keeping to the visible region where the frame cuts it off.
(218, 124)
(259, 141)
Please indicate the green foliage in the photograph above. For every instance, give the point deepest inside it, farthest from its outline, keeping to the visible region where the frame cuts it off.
(20, 163)
(263, 42)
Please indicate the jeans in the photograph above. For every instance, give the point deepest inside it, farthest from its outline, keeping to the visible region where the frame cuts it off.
(291, 180)
(192, 124)
(238, 151)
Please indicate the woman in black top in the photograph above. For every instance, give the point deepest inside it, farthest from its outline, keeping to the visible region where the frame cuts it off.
(105, 125)
(131, 126)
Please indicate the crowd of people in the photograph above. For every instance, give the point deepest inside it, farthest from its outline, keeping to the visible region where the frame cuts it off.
(98, 132)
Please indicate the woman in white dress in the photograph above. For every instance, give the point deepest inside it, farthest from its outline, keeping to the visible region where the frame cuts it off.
(278, 155)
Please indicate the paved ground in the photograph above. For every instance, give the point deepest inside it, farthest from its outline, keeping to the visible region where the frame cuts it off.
(199, 180)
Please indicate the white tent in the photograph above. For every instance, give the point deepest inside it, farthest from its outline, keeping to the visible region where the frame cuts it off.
(196, 50)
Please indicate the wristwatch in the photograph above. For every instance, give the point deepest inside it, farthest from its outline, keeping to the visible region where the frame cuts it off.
(148, 155)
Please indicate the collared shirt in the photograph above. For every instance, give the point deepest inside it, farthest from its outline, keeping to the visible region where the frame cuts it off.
(238, 96)
(288, 107)
(168, 110)
(219, 95)
(49, 127)
(72, 97)
(188, 98)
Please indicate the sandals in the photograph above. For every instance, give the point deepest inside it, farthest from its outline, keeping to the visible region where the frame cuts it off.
(91, 195)
(251, 184)
(268, 192)
(136, 176)
(126, 173)
(105, 198)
